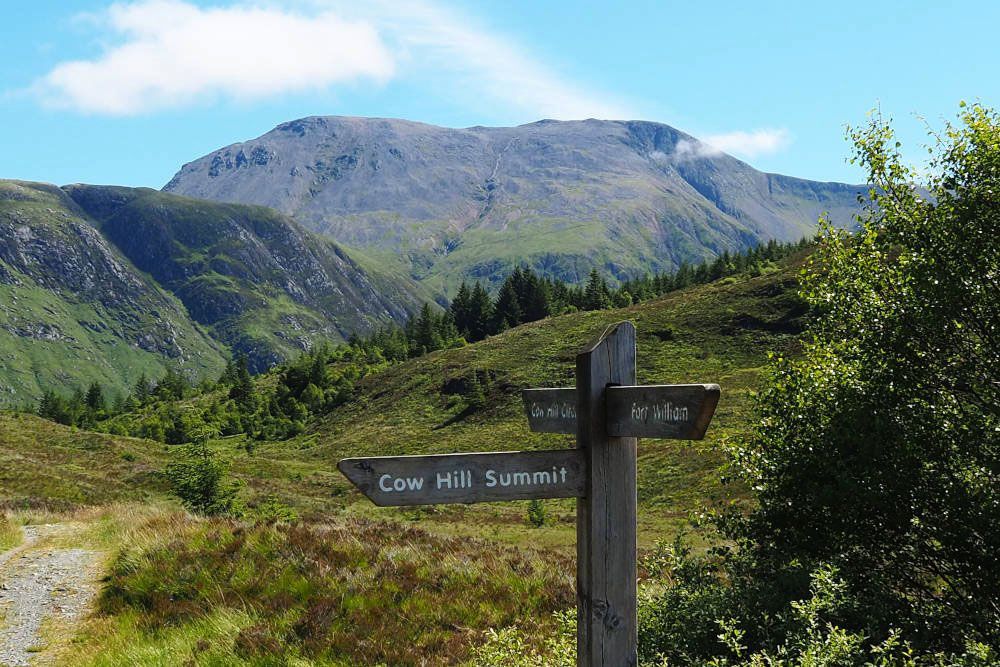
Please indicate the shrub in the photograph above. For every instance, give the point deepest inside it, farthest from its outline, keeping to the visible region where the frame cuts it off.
(510, 647)
(680, 605)
(879, 450)
(536, 513)
(875, 456)
(198, 478)
(271, 510)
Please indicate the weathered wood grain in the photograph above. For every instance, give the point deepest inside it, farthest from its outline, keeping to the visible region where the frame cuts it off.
(674, 411)
(606, 517)
(467, 478)
(550, 410)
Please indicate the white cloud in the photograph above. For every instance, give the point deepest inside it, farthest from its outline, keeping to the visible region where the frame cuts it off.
(744, 144)
(173, 53)
(169, 53)
(481, 67)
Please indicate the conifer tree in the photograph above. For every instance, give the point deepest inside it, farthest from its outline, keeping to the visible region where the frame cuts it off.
(506, 310)
(596, 294)
(534, 300)
(52, 406)
(480, 313)
(461, 309)
(171, 386)
(94, 399)
(446, 329)
(684, 276)
(142, 390)
(425, 331)
(558, 295)
(242, 389)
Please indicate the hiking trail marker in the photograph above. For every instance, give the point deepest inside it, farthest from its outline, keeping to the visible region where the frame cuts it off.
(607, 412)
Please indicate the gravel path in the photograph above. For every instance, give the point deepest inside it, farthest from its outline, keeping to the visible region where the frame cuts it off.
(36, 583)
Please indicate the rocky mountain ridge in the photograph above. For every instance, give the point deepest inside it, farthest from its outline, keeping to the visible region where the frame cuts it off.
(562, 196)
(75, 310)
(261, 284)
(106, 283)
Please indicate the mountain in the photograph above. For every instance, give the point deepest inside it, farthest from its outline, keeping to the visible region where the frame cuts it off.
(105, 283)
(74, 310)
(626, 197)
(259, 282)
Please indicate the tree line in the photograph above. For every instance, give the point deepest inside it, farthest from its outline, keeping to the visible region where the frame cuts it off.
(524, 297)
(323, 378)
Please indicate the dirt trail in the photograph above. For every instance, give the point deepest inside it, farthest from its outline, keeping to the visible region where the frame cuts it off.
(40, 583)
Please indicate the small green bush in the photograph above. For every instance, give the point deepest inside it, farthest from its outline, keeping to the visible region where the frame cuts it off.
(271, 510)
(509, 646)
(536, 513)
(198, 478)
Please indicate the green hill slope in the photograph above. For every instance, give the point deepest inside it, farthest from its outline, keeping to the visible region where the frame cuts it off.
(104, 284)
(74, 310)
(48, 465)
(719, 332)
(260, 283)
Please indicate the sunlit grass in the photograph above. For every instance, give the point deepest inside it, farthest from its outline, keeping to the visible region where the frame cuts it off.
(353, 584)
(351, 592)
(10, 533)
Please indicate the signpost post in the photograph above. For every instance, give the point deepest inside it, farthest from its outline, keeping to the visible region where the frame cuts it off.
(607, 412)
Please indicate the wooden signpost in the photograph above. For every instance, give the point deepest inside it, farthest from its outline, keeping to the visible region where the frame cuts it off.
(607, 412)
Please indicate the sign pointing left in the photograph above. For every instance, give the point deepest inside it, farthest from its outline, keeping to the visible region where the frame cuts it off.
(467, 478)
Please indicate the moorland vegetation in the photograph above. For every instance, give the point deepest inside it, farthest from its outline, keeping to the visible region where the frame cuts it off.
(860, 527)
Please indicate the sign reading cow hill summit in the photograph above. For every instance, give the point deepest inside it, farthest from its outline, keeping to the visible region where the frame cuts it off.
(467, 478)
(607, 412)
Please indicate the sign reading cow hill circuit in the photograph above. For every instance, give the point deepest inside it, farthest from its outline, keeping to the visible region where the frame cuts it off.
(606, 411)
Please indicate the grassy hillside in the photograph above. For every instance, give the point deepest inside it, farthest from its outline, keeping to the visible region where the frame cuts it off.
(43, 464)
(349, 583)
(720, 333)
(74, 310)
(258, 281)
(714, 333)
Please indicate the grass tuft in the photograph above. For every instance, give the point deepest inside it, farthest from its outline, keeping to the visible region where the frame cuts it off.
(10, 533)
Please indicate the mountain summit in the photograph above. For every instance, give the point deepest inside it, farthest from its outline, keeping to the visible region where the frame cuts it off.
(563, 196)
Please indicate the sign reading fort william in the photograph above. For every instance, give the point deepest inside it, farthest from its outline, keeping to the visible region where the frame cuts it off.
(607, 412)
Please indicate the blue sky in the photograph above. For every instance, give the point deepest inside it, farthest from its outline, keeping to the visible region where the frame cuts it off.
(125, 92)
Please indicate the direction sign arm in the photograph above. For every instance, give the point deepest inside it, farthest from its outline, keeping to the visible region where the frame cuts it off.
(467, 478)
(550, 410)
(674, 411)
